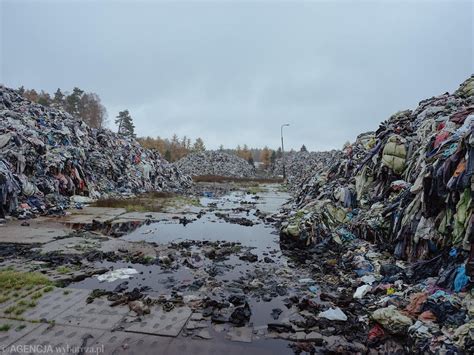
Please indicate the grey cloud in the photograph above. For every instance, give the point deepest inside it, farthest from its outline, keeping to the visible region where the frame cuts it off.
(232, 72)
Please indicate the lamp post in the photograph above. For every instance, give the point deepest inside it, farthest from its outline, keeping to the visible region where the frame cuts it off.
(283, 149)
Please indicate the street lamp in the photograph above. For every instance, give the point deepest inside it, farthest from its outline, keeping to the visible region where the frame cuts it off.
(283, 149)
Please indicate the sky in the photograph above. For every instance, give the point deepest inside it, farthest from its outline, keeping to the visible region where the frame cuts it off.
(232, 72)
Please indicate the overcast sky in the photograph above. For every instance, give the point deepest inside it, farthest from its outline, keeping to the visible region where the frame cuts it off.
(232, 72)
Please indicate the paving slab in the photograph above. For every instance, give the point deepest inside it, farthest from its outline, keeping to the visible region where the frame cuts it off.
(73, 245)
(215, 347)
(155, 216)
(98, 314)
(55, 302)
(203, 334)
(60, 339)
(241, 334)
(18, 265)
(17, 330)
(14, 296)
(133, 343)
(14, 233)
(159, 322)
(100, 211)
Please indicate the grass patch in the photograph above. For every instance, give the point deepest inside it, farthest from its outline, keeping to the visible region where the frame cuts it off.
(16, 284)
(36, 295)
(10, 279)
(5, 327)
(48, 288)
(63, 269)
(216, 178)
(150, 202)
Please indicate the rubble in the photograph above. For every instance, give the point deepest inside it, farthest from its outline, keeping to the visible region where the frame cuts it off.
(48, 160)
(216, 164)
(404, 190)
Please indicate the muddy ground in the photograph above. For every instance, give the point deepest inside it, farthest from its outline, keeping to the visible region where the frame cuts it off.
(168, 274)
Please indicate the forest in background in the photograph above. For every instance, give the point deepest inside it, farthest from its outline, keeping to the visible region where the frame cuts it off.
(88, 107)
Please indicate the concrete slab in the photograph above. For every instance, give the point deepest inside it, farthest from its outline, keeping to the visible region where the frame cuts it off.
(86, 219)
(17, 329)
(14, 296)
(97, 314)
(18, 265)
(241, 334)
(100, 211)
(62, 339)
(133, 343)
(159, 322)
(14, 233)
(73, 245)
(202, 347)
(88, 214)
(74, 273)
(143, 216)
(54, 303)
(203, 334)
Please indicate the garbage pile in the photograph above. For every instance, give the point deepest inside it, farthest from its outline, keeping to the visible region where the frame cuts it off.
(48, 159)
(407, 188)
(216, 164)
(303, 164)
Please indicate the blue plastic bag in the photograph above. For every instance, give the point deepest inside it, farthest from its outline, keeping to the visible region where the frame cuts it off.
(461, 279)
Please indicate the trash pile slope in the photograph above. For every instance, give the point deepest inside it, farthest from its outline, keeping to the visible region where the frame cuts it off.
(215, 163)
(46, 156)
(407, 185)
(407, 189)
(302, 164)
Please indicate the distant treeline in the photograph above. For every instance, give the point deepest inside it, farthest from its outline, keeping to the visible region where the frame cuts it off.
(88, 107)
(176, 148)
(80, 104)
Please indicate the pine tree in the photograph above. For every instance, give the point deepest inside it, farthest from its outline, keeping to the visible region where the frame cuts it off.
(125, 124)
(58, 98)
(44, 98)
(273, 158)
(199, 146)
(303, 148)
(73, 102)
(251, 161)
(168, 155)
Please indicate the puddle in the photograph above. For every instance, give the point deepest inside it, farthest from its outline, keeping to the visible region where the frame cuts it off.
(194, 268)
(210, 228)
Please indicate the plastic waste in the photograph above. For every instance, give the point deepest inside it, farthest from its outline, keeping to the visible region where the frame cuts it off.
(368, 279)
(362, 291)
(333, 314)
(118, 274)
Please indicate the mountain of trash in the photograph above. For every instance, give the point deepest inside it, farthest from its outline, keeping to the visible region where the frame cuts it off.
(407, 188)
(215, 163)
(397, 207)
(407, 185)
(47, 157)
(302, 164)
